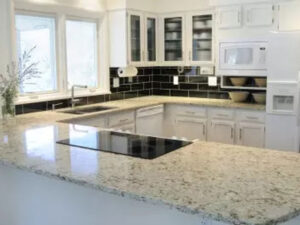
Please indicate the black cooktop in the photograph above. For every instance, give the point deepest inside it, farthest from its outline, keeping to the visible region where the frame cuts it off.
(145, 147)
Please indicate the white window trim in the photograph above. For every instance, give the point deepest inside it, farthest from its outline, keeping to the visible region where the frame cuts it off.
(61, 14)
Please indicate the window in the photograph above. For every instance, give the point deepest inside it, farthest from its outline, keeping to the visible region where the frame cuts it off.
(81, 41)
(37, 33)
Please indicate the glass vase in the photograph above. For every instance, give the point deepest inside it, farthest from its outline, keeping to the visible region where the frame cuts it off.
(8, 110)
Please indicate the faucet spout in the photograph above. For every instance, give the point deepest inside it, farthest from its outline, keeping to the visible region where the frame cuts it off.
(73, 100)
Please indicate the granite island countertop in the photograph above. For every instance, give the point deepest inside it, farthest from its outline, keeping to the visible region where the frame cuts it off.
(229, 183)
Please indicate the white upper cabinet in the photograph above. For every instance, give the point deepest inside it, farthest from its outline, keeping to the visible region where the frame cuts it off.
(173, 40)
(133, 38)
(289, 16)
(259, 15)
(229, 17)
(200, 32)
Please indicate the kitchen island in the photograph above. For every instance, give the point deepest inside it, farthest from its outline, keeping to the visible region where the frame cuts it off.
(203, 183)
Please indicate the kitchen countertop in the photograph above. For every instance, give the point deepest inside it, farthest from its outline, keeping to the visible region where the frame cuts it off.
(229, 183)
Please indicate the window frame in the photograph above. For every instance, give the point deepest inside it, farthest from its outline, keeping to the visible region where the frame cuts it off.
(56, 44)
(90, 20)
(61, 15)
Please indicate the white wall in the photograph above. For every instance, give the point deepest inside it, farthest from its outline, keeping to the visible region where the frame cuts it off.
(5, 34)
(92, 5)
(180, 5)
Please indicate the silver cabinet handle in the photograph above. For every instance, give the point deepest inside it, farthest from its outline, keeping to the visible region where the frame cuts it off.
(240, 133)
(232, 132)
(189, 112)
(124, 120)
(252, 118)
(204, 130)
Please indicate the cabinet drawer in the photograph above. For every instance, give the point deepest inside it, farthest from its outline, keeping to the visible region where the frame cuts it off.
(222, 114)
(121, 118)
(190, 111)
(249, 116)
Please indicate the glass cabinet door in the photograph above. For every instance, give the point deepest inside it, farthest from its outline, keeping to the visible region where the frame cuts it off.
(173, 39)
(151, 39)
(135, 38)
(202, 38)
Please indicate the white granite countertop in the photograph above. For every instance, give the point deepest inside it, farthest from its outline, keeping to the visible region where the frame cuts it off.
(234, 184)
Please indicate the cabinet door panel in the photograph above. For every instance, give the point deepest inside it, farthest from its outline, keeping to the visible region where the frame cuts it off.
(201, 38)
(173, 40)
(230, 17)
(190, 128)
(151, 39)
(222, 131)
(289, 16)
(93, 122)
(252, 135)
(259, 15)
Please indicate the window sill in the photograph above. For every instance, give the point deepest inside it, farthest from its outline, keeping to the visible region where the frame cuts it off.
(57, 96)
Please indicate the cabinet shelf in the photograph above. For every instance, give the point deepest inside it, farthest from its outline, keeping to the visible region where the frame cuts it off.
(202, 39)
(173, 40)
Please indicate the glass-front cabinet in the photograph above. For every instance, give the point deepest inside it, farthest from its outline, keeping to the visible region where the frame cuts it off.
(151, 45)
(173, 40)
(142, 39)
(200, 38)
(135, 38)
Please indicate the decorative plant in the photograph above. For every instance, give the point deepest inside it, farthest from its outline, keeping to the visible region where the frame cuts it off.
(16, 76)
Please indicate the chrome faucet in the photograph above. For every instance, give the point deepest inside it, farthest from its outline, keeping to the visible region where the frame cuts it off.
(74, 100)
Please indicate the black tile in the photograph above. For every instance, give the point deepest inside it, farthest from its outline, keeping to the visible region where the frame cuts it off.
(19, 109)
(156, 71)
(131, 94)
(198, 79)
(198, 94)
(140, 71)
(35, 107)
(143, 79)
(161, 78)
(144, 93)
(168, 86)
(147, 85)
(96, 99)
(116, 96)
(114, 90)
(113, 72)
(148, 71)
(135, 87)
(125, 87)
(184, 86)
(156, 85)
(161, 92)
(169, 70)
(179, 93)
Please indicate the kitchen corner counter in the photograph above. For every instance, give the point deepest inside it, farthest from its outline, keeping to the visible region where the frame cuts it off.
(234, 184)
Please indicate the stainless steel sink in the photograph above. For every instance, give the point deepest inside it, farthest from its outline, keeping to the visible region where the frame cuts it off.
(80, 111)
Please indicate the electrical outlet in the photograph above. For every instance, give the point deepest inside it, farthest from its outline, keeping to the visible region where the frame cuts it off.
(116, 82)
(212, 81)
(176, 80)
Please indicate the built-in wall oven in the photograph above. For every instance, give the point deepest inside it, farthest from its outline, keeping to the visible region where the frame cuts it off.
(243, 58)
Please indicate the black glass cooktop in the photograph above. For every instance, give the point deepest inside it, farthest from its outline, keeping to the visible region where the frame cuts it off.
(126, 144)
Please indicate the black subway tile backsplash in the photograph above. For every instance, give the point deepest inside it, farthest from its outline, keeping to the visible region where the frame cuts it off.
(149, 81)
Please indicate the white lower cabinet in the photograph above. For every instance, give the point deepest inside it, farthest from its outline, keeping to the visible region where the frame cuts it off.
(221, 131)
(250, 134)
(98, 121)
(191, 128)
(124, 121)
